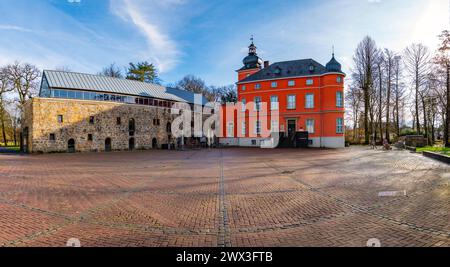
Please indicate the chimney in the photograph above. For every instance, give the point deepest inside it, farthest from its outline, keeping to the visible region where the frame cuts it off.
(266, 64)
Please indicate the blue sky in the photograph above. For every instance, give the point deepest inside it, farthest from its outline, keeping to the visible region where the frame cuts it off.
(207, 38)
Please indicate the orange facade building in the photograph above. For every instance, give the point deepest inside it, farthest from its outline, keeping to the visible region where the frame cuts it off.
(303, 98)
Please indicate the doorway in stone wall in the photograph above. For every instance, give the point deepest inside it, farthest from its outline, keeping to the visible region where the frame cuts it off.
(131, 144)
(154, 143)
(71, 146)
(108, 144)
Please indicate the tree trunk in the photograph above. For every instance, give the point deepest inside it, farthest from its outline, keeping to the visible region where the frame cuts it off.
(388, 104)
(397, 108)
(433, 128)
(380, 114)
(15, 135)
(355, 125)
(417, 103)
(447, 117)
(425, 121)
(366, 114)
(2, 119)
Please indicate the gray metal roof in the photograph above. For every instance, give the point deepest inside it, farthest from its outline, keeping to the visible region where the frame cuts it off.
(89, 82)
(288, 69)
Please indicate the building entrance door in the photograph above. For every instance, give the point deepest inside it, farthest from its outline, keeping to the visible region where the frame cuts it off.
(292, 125)
(25, 140)
(71, 146)
(108, 145)
(131, 144)
(291, 132)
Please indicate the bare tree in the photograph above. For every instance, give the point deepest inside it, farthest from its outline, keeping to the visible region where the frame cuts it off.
(416, 59)
(25, 81)
(364, 64)
(112, 71)
(443, 60)
(5, 86)
(353, 98)
(389, 63)
(379, 68)
(398, 92)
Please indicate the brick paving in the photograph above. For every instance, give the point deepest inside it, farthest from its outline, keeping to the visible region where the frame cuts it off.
(228, 197)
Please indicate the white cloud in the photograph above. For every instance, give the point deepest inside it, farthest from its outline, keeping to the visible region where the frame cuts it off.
(13, 28)
(162, 50)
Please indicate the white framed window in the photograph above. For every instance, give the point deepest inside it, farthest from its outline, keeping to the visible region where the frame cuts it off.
(310, 125)
(274, 102)
(339, 99)
(244, 128)
(339, 79)
(243, 87)
(339, 125)
(230, 129)
(274, 84)
(291, 103)
(257, 86)
(257, 127)
(291, 83)
(257, 101)
(309, 82)
(309, 101)
(274, 126)
(243, 105)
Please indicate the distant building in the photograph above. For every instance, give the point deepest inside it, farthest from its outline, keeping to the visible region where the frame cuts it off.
(308, 96)
(81, 112)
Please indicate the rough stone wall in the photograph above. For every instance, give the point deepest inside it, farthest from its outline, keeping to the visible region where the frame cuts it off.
(41, 117)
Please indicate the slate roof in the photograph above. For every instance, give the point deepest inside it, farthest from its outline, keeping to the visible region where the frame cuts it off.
(287, 69)
(90, 82)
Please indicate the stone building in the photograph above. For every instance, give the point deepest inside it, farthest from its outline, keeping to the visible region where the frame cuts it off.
(81, 113)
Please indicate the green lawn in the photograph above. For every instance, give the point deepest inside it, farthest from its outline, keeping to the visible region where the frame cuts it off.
(436, 149)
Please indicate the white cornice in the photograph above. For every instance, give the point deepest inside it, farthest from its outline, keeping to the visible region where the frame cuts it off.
(293, 77)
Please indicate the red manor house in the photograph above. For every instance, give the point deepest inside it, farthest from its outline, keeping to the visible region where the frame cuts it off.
(301, 100)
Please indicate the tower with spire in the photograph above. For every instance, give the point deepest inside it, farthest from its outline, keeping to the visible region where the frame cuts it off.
(333, 65)
(252, 63)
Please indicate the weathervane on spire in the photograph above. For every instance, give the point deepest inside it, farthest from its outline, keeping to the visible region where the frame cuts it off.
(333, 50)
(252, 47)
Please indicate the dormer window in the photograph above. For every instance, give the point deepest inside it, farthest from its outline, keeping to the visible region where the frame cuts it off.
(311, 68)
(277, 71)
